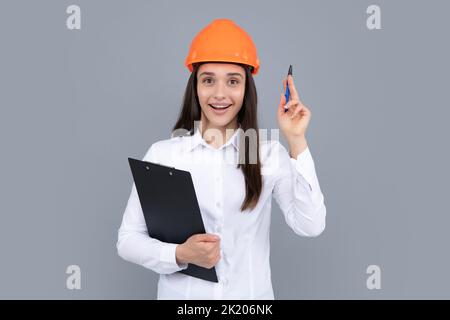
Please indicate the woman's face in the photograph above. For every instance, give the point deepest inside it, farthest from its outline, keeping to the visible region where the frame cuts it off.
(220, 89)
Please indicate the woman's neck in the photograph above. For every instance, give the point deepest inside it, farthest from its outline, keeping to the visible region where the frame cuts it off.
(218, 136)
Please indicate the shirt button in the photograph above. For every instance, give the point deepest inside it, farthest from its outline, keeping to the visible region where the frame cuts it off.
(225, 281)
(218, 204)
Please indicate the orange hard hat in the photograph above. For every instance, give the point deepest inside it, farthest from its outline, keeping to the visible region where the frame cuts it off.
(223, 41)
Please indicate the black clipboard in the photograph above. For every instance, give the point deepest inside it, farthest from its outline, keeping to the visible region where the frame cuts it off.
(170, 207)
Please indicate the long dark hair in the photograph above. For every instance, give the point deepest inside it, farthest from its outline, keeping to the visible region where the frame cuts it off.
(247, 118)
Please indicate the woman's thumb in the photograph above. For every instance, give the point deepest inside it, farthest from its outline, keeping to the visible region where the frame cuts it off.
(209, 237)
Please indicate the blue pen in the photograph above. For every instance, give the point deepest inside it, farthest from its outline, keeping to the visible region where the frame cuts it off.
(288, 93)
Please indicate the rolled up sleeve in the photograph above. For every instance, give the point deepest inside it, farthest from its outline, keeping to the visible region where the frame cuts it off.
(297, 192)
(136, 246)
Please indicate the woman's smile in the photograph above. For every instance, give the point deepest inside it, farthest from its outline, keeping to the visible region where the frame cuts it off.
(220, 109)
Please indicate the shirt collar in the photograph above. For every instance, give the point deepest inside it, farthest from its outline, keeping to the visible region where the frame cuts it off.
(197, 139)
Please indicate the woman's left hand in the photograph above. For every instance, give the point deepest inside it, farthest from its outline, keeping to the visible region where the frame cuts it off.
(294, 122)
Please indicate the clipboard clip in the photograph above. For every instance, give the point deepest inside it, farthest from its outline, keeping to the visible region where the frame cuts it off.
(159, 164)
(165, 166)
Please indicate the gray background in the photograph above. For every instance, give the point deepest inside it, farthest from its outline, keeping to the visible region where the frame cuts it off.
(76, 103)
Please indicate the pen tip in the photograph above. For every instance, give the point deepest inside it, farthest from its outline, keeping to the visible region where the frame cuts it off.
(290, 70)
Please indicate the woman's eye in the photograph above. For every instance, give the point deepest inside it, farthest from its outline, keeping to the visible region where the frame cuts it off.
(209, 81)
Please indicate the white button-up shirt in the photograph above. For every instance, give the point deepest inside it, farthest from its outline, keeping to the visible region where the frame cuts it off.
(243, 269)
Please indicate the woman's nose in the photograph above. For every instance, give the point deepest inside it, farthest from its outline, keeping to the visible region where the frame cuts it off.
(219, 93)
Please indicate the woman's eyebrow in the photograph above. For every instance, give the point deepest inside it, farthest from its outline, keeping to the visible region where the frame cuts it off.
(228, 74)
(235, 74)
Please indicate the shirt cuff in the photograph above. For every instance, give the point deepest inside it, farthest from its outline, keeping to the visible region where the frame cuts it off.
(168, 255)
(304, 164)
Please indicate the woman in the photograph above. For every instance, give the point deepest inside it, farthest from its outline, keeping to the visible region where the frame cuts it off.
(234, 175)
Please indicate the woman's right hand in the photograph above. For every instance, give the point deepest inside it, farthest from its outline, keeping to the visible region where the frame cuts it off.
(200, 249)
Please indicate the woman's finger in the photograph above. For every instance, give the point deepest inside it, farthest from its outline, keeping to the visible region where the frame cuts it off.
(297, 110)
(290, 106)
(292, 88)
(282, 102)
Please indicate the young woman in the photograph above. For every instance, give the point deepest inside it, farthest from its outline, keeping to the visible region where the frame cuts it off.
(234, 176)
